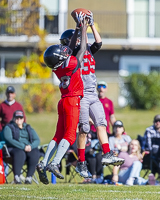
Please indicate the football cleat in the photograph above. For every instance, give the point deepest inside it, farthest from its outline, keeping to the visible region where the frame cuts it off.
(52, 167)
(41, 169)
(81, 168)
(110, 159)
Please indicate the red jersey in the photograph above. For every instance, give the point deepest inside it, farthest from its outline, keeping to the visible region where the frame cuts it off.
(109, 110)
(69, 74)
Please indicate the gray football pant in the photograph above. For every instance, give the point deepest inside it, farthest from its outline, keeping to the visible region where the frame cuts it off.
(91, 106)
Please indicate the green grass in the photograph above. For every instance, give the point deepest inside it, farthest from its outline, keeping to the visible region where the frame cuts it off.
(44, 124)
(78, 192)
(135, 122)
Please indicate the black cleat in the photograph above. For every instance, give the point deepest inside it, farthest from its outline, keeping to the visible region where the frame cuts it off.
(41, 169)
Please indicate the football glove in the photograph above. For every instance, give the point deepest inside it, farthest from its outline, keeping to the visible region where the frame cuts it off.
(79, 18)
(91, 20)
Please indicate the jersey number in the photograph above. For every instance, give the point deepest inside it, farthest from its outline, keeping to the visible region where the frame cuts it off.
(89, 65)
(65, 81)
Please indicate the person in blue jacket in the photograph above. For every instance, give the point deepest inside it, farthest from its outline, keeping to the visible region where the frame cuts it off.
(22, 142)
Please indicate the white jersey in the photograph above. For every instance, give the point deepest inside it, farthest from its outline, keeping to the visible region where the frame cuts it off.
(90, 103)
(88, 71)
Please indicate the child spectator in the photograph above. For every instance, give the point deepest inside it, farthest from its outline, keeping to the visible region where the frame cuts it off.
(129, 172)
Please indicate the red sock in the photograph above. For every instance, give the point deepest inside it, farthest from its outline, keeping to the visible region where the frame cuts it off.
(81, 155)
(105, 148)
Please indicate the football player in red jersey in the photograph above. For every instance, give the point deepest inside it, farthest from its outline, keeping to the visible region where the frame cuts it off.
(91, 106)
(67, 69)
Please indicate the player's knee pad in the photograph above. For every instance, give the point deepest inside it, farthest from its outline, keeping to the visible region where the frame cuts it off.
(85, 128)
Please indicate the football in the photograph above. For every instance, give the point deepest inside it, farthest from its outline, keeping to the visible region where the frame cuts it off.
(78, 10)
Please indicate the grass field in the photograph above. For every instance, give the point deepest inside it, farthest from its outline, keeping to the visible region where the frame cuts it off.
(135, 123)
(79, 192)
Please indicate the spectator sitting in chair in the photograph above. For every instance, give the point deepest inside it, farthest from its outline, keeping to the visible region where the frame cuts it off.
(93, 154)
(129, 172)
(22, 142)
(152, 132)
(118, 141)
(7, 108)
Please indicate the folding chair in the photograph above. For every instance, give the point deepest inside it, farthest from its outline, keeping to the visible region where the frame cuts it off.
(155, 156)
(146, 157)
(8, 161)
(71, 161)
(97, 148)
(2, 174)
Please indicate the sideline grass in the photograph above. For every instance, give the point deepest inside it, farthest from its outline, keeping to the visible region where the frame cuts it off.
(135, 122)
(79, 191)
(44, 124)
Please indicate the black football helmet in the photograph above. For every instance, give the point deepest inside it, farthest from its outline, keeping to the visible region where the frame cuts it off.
(55, 55)
(66, 36)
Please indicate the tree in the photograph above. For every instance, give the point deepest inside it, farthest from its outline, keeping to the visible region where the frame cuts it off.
(144, 91)
(21, 17)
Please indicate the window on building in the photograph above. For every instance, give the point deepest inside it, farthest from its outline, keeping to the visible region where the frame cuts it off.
(9, 66)
(50, 15)
(141, 18)
(157, 18)
(51, 24)
(133, 69)
(155, 68)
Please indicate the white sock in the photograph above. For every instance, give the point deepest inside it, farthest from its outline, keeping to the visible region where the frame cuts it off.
(52, 146)
(62, 148)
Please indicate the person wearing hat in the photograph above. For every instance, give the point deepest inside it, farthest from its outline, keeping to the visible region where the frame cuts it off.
(107, 105)
(8, 107)
(22, 142)
(119, 141)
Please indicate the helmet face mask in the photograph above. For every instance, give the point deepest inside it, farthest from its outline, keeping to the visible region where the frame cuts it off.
(65, 41)
(55, 55)
(65, 51)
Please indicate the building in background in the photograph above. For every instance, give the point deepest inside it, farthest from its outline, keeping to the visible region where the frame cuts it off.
(129, 29)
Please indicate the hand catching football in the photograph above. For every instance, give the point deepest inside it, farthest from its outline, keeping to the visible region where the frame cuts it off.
(80, 13)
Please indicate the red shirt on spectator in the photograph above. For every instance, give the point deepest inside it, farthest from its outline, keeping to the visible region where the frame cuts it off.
(6, 112)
